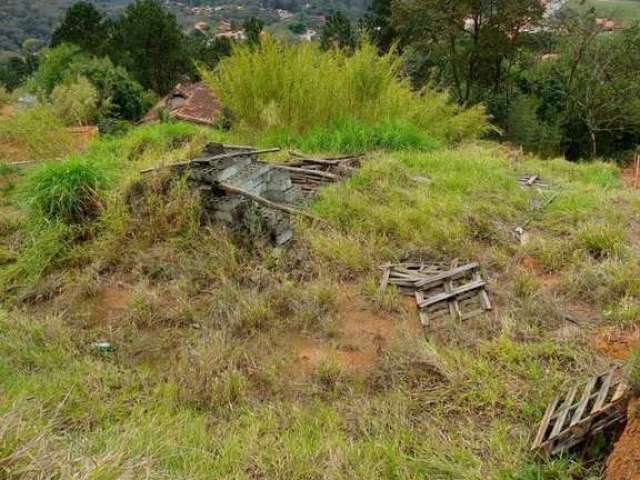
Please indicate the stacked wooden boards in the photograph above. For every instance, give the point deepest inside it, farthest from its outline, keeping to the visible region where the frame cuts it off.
(459, 291)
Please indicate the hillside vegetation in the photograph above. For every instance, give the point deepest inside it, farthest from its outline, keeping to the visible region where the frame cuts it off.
(138, 340)
(244, 361)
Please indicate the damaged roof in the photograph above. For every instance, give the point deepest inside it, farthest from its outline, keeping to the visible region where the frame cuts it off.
(192, 102)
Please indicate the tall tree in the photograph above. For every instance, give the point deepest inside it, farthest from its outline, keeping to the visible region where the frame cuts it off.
(470, 42)
(84, 26)
(377, 25)
(337, 33)
(149, 43)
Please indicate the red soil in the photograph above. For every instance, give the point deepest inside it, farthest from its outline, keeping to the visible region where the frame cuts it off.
(616, 343)
(624, 462)
(361, 335)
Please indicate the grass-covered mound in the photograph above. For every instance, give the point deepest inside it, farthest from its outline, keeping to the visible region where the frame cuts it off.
(335, 101)
(231, 361)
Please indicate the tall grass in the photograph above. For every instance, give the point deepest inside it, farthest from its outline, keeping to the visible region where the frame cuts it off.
(299, 88)
(36, 133)
(68, 191)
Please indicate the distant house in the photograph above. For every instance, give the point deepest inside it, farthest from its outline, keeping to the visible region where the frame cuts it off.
(232, 35)
(202, 26)
(191, 102)
(308, 35)
(607, 24)
(224, 26)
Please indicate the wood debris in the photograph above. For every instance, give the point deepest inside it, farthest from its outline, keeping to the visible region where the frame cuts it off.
(309, 173)
(586, 409)
(459, 291)
(532, 180)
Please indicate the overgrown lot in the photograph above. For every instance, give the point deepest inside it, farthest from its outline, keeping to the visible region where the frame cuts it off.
(232, 359)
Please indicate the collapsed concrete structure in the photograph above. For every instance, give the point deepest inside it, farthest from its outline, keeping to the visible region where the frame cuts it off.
(242, 192)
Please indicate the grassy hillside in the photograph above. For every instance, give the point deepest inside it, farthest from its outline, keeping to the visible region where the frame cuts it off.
(235, 360)
(621, 10)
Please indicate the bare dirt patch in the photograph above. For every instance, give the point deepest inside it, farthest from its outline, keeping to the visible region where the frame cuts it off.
(110, 304)
(616, 343)
(361, 335)
(624, 461)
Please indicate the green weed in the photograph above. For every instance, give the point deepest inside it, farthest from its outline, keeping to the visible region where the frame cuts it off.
(70, 190)
(349, 102)
(633, 371)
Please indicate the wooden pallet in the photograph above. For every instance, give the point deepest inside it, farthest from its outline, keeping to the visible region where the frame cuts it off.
(458, 291)
(583, 411)
(532, 180)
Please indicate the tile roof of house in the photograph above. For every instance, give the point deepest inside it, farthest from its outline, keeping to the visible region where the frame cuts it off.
(192, 102)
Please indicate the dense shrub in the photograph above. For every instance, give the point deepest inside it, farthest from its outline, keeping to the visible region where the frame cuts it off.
(69, 190)
(119, 96)
(298, 88)
(76, 103)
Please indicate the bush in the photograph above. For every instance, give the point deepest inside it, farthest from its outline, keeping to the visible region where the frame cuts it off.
(54, 68)
(69, 190)
(76, 103)
(119, 96)
(299, 88)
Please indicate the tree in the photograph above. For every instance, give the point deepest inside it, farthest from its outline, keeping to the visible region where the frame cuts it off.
(377, 25)
(149, 43)
(84, 26)
(205, 50)
(15, 69)
(337, 33)
(253, 28)
(470, 43)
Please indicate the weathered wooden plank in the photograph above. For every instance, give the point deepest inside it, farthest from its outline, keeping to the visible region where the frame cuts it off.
(385, 279)
(604, 391)
(562, 416)
(484, 296)
(455, 292)
(621, 391)
(448, 274)
(584, 401)
(544, 424)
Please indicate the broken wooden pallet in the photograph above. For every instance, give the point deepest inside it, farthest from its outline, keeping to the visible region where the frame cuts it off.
(583, 411)
(458, 290)
(532, 180)
(309, 174)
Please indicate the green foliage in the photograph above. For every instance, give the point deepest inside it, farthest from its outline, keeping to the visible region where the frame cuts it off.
(298, 88)
(150, 44)
(297, 27)
(69, 190)
(253, 28)
(337, 33)
(54, 67)
(15, 69)
(633, 371)
(76, 103)
(526, 128)
(84, 26)
(349, 136)
(119, 96)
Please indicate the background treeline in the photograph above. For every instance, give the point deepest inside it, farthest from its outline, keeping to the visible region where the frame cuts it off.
(104, 70)
(553, 79)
